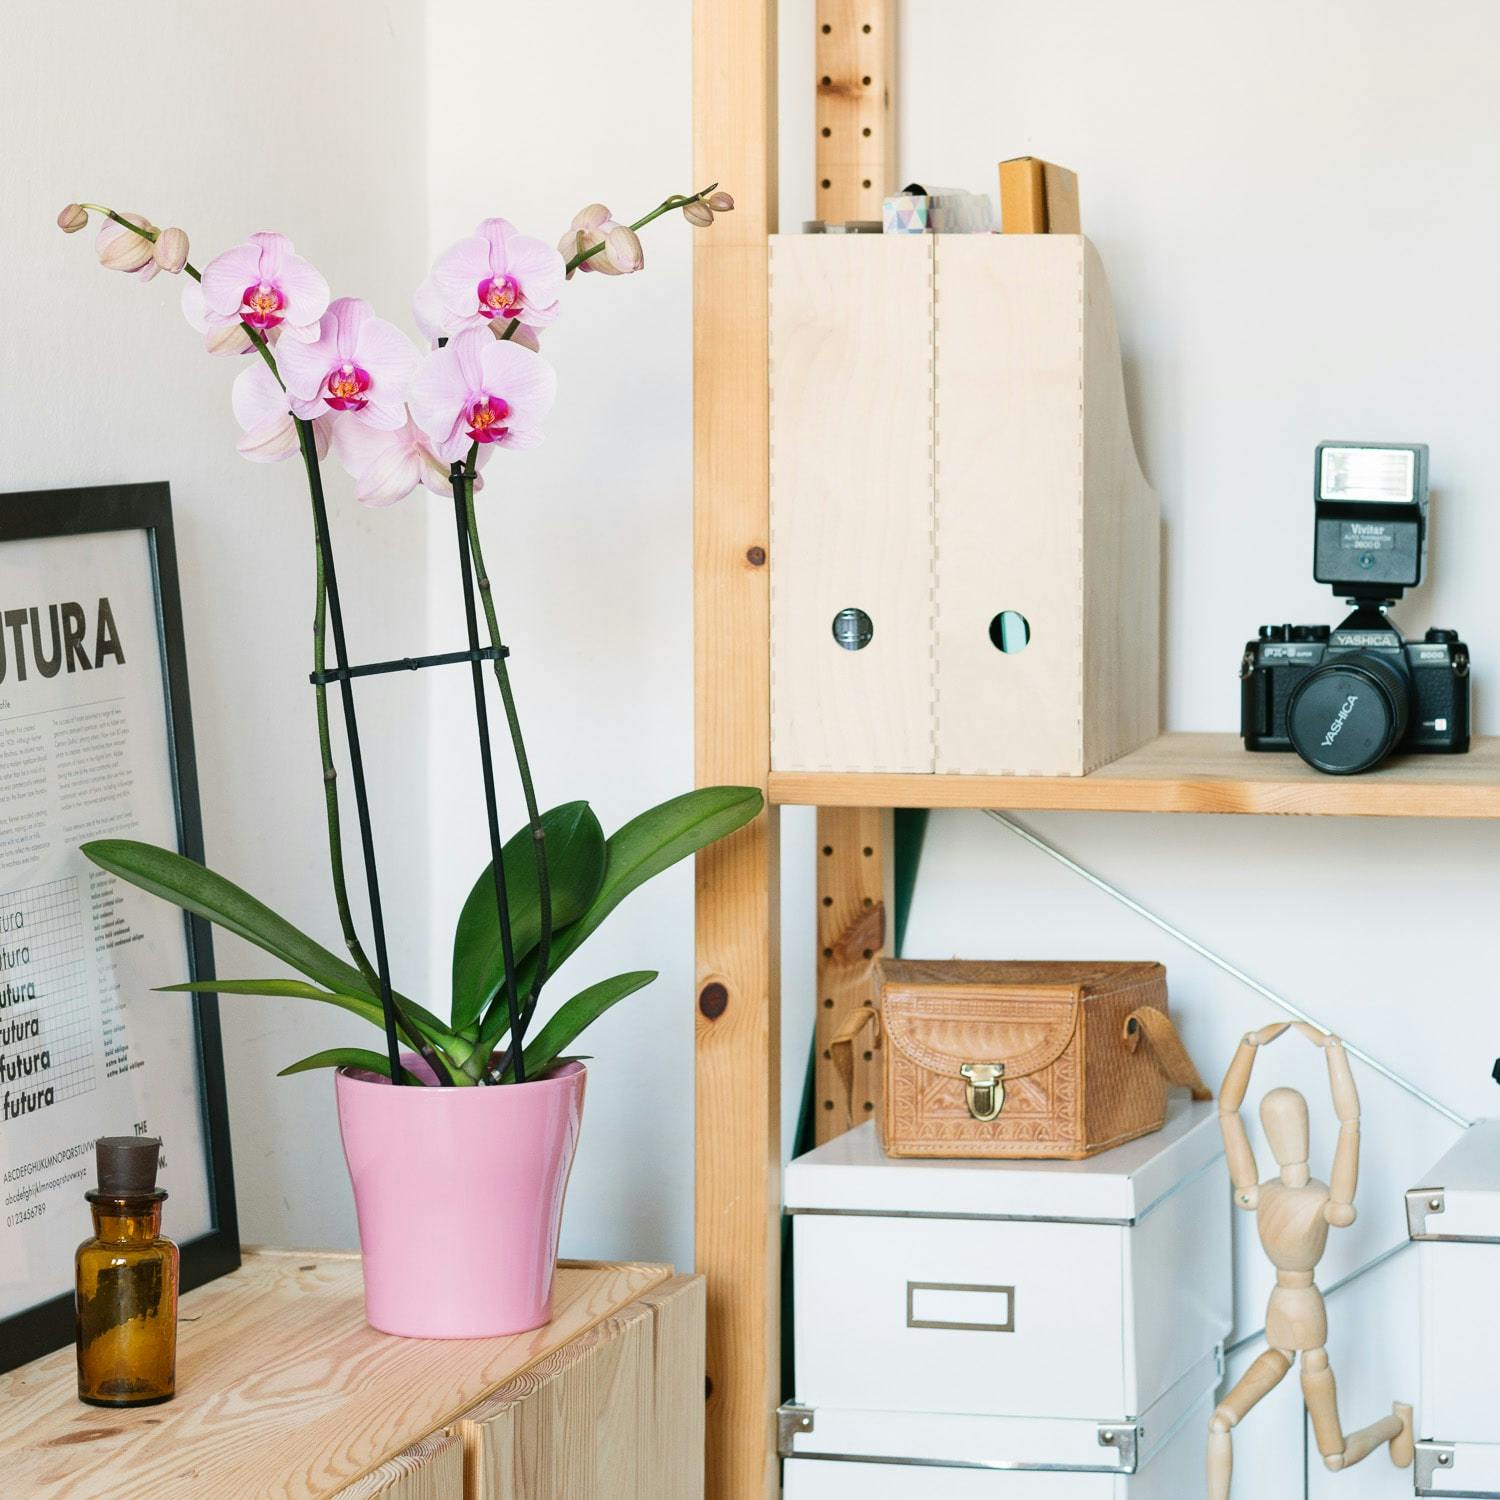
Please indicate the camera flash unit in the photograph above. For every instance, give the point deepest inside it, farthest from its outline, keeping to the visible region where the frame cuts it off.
(1371, 519)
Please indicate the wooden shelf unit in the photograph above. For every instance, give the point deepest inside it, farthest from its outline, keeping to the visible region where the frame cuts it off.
(1185, 773)
(739, 1155)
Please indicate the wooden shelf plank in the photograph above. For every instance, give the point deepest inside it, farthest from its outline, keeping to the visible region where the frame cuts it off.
(283, 1389)
(1186, 773)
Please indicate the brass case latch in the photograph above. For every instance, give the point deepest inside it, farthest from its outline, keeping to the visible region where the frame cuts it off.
(985, 1088)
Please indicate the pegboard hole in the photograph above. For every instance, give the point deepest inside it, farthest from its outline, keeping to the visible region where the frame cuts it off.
(827, 183)
(865, 28)
(827, 849)
(828, 953)
(826, 132)
(827, 28)
(828, 1003)
(828, 1104)
(827, 82)
(865, 131)
(869, 953)
(866, 182)
(865, 80)
(868, 851)
(868, 1105)
(869, 901)
(1010, 631)
(827, 900)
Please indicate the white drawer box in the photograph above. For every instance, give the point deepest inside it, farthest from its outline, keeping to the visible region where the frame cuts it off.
(864, 1455)
(1468, 1470)
(1051, 1290)
(1455, 1220)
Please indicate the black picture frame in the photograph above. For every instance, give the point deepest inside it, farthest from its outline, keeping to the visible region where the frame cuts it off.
(34, 515)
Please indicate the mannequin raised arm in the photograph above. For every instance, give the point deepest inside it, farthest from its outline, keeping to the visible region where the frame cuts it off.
(1243, 1172)
(1344, 1177)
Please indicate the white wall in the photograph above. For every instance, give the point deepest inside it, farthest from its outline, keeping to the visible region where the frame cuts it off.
(1290, 202)
(589, 543)
(175, 111)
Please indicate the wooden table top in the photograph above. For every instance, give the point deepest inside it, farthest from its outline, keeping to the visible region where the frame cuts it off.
(284, 1392)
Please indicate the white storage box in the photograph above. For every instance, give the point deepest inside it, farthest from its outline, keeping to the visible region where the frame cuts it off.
(1157, 1457)
(1007, 1314)
(1455, 1220)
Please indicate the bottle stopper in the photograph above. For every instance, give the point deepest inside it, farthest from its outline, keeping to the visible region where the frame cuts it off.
(127, 1164)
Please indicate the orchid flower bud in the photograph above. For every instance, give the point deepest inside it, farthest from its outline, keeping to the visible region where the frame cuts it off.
(171, 250)
(595, 216)
(121, 249)
(230, 339)
(72, 219)
(622, 248)
(526, 337)
(721, 203)
(698, 214)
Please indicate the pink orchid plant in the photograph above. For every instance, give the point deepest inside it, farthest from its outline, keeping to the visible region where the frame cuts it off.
(332, 375)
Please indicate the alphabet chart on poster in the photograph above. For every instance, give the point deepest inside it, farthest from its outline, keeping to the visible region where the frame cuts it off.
(86, 1047)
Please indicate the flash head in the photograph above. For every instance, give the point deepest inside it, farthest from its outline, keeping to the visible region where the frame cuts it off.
(1371, 519)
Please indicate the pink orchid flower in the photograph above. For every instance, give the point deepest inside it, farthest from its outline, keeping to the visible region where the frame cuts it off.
(427, 307)
(482, 390)
(264, 284)
(132, 254)
(497, 275)
(358, 364)
(262, 409)
(388, 466)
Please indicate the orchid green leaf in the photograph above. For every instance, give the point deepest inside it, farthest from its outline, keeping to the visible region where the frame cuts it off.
(575, 868)
(348, 1057)
(431, 1029)
(572, 1016)
(643, 848)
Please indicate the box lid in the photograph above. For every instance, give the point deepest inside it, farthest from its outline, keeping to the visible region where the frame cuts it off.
(851, 1174)
(1460, 1195)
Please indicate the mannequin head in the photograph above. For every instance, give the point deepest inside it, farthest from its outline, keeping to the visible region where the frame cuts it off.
(1283, 1113)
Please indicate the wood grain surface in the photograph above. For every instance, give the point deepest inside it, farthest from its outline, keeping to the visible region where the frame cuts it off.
(738, 1141)
(854, 149)
(614, 1415)
(1190, 773)
(284, 1391)
(856, 868)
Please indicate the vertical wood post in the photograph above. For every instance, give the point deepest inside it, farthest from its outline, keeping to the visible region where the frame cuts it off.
(738, 1206)
(855, 117)
(855, 910)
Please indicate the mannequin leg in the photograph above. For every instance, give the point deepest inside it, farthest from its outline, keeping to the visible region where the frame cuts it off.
(1321, 1395)
(1268, 1371)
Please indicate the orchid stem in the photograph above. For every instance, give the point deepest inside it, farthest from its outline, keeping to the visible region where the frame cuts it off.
(463, 501)
(331, 790)
(256, 337)
(523, 769)
(664, 207)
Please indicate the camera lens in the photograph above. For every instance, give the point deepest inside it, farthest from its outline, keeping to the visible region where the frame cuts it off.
(1348, 714)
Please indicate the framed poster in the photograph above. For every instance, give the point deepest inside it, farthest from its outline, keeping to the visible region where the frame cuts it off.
(96, 741)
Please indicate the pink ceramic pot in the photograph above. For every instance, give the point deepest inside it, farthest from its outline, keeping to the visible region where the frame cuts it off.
(459, 1193)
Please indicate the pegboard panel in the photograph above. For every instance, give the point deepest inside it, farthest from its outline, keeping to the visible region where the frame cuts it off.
(855, 117)
(855, 879)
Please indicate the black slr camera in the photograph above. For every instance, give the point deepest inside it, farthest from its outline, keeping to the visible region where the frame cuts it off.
(1344, 698)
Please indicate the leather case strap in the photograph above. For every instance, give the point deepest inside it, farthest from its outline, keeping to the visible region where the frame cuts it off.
(841, 1047)
(1166, 1048)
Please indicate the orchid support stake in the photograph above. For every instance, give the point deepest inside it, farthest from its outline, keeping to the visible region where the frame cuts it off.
(351, 724)
(463, 480)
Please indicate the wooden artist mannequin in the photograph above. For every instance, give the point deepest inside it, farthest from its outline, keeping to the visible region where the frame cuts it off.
(1294, 1213)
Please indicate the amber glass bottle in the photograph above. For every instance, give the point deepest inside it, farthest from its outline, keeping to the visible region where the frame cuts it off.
(127, 1283)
